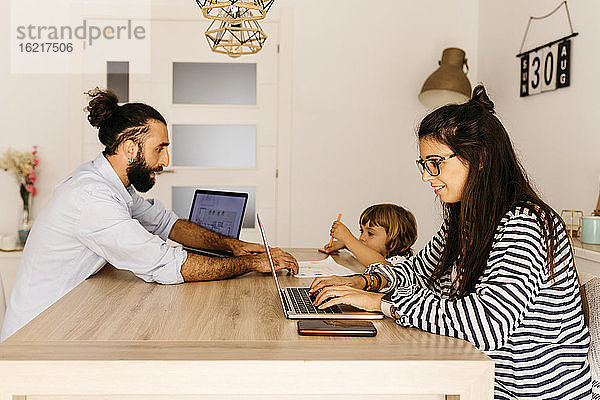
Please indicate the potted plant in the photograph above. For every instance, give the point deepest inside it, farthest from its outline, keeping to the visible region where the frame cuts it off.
(23, 165)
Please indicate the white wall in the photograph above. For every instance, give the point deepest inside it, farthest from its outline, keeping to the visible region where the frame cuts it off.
(556, 133)
(357, 72)
(34, 111)
(356, 75)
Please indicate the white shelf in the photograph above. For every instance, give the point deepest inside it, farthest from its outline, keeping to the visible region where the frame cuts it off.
(10, 254)
(9, 262)
(586, 254)
(587, 258)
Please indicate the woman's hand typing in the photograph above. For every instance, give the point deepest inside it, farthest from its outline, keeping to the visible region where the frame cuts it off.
(334, 295)
(355, 281)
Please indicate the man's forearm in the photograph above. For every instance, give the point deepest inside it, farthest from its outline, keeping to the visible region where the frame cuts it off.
(192, 235)
(201, 268)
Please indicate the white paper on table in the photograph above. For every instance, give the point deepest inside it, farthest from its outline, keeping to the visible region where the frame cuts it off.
(326, 267)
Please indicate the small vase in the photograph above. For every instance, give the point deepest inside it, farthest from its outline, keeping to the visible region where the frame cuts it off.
(25, 222)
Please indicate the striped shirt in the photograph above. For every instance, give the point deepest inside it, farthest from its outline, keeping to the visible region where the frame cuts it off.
(530, 324)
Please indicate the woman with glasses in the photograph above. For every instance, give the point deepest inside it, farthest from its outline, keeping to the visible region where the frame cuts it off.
(500, 271)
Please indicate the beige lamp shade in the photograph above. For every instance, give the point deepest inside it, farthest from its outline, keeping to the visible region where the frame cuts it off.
(233, 11)
(235, 39)
(449, 83)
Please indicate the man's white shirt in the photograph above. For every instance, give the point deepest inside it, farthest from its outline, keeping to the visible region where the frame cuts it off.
(90, 220)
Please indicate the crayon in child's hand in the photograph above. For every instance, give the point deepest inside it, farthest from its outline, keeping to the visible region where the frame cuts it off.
(338, 220)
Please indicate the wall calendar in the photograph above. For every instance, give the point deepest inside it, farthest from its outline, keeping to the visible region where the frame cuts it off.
(546, 67)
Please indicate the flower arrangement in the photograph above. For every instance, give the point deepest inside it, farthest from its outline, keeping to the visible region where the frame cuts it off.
(22, 165)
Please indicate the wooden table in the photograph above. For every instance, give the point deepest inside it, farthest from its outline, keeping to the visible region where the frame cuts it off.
(116, 336)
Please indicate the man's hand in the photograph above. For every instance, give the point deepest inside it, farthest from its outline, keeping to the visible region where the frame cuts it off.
(202, 268)
(356, 282)
(240, 248)
(281, 260)
(334, 295)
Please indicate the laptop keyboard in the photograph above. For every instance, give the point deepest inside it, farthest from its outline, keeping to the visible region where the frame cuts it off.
(302, 303)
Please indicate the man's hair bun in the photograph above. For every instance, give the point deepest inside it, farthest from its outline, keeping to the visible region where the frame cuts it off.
(481, 98)
(102, 106)
(117, 123)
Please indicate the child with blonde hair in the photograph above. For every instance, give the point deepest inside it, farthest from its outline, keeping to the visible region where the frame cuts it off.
(387, 232)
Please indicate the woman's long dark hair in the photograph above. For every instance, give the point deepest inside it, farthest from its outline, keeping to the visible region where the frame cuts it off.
(496, 183)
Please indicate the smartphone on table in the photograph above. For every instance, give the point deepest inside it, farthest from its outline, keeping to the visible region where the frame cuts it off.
(332, 327)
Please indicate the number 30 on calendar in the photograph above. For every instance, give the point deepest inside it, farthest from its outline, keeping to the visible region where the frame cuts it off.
(545, 69)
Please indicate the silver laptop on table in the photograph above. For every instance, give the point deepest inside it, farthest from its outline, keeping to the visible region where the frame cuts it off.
(297, 303)
(218, 211)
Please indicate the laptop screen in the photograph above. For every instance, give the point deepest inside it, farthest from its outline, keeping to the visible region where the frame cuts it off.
(221, 212)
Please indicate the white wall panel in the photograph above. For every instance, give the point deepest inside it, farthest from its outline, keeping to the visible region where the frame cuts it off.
(555, 133)
(353, 78)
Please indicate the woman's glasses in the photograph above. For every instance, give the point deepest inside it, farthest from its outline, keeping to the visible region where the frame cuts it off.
(432, 165)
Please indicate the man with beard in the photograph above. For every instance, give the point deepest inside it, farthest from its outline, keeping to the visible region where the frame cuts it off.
(95, 216)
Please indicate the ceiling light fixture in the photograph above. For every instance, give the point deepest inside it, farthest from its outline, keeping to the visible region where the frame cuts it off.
(235, 39)
(233, 11)
(235, 30)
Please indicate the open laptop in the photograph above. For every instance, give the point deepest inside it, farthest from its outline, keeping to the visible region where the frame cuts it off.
(297, 303)
(218, 211)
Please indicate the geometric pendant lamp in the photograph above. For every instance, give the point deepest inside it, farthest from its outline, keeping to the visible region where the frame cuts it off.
(233, 11)
(449, 83)
(235, 30)
(235, 39)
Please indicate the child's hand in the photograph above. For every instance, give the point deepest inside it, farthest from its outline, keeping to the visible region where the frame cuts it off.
(340, 232)
(335, 246)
